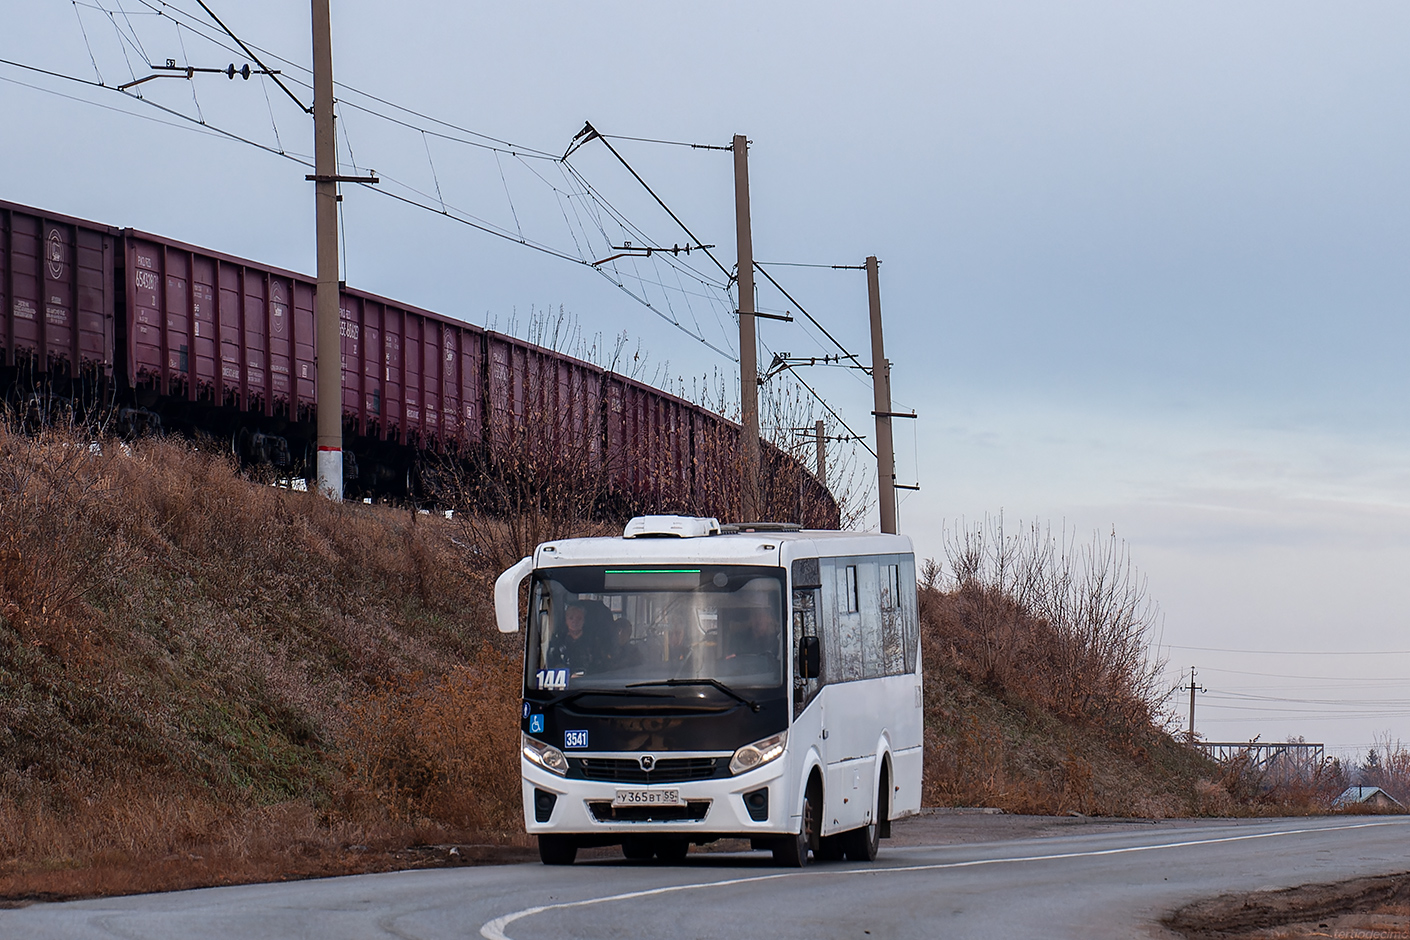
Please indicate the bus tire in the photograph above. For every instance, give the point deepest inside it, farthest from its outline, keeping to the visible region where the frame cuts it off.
(861, 845)
(792, 851)
(557, 850)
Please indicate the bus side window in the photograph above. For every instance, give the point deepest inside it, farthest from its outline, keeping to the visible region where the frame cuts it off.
(910, 616)
(893, 656)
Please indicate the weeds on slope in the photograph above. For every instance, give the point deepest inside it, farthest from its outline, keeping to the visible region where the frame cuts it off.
(190, 664)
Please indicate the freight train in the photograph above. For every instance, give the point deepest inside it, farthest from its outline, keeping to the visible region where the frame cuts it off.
(161, 336)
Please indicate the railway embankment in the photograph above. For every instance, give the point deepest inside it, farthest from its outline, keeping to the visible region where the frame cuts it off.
(205, 679)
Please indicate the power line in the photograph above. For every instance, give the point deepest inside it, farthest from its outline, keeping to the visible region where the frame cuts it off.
(1357, 679)
(1219, 649)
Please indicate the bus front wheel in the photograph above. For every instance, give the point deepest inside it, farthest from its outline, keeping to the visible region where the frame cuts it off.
(557, 850)
(792, 851)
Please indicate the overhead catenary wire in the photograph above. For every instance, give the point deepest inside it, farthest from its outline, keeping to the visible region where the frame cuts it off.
(566, 201)
(659, 201)
(811, 319)
(670, 143)
(152, 104)
(307, 109)
(448, 211)
(84, 30)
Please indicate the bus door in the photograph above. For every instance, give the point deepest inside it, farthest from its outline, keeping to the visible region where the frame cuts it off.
(850, 711)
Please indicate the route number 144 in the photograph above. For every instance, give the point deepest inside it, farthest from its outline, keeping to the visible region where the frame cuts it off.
(553, 679)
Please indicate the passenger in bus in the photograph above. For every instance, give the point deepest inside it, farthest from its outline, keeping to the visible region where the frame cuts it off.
(624, 652)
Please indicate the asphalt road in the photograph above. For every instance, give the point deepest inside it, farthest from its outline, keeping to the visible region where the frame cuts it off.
(1094, 879)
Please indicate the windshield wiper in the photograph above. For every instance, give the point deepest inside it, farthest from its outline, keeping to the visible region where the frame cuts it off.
(753, 706)
(570, 696)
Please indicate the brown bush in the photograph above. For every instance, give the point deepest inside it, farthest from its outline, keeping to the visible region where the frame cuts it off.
(444, 750)
(1042, 695)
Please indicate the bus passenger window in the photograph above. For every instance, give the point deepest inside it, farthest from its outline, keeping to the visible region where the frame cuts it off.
(890, 586)
(847, 595)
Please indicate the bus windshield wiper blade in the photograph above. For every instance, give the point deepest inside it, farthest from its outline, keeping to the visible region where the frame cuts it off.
(575, 693)
(753, 706)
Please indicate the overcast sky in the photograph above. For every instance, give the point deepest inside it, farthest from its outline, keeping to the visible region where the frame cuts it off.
(1144, 264)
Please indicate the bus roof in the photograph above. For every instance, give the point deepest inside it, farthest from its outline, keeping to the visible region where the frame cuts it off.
(767, 547)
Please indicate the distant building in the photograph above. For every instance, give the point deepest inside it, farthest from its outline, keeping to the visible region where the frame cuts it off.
(1372, 798)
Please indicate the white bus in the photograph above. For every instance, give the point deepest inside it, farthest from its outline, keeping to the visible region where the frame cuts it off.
(690, 682)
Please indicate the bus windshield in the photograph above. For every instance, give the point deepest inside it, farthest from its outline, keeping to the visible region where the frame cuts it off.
(604, 627)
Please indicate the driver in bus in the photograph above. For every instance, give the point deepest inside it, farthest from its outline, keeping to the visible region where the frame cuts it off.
(573, 648)
(756, 636)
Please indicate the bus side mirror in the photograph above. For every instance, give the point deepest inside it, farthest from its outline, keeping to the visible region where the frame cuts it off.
(809, 658)
(506, 595)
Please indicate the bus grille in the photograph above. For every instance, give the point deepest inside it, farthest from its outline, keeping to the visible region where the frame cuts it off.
(604, 811)
(627, 770)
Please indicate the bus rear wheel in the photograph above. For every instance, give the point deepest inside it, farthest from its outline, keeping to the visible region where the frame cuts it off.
(557, 850)
(860, 845)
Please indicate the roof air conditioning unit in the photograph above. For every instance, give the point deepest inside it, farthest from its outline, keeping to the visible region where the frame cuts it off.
(681, 527)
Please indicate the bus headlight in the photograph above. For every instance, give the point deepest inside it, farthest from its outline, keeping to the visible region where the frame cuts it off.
(545, 755)
(760, 752)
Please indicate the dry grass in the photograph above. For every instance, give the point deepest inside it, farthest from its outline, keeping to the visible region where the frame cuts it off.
(192, 665)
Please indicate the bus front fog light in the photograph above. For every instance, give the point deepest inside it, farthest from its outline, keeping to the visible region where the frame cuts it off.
(760, 752)
(546, 756)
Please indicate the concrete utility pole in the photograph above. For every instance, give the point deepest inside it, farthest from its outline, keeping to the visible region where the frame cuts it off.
(881, 395)
(1192, 689)
(328, 352)
(750, 509)
(821, 440)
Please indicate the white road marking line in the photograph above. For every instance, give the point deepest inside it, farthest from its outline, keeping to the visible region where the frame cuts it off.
(494, 929)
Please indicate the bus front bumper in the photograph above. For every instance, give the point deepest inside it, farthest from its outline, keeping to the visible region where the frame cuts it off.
(713, 808)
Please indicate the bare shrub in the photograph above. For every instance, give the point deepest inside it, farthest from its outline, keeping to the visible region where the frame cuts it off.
(446, 749)
(1387, 766)
(1064, 625)
(1042, 695)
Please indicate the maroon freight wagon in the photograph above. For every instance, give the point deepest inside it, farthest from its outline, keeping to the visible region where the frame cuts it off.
(57, 296)
(198, 341)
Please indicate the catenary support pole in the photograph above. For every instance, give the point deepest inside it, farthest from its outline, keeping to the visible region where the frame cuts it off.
(750, 509)
(881, 395)
(821, 439)
(328, 351)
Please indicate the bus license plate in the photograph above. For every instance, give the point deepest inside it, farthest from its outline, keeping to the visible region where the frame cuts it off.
(648, 798)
